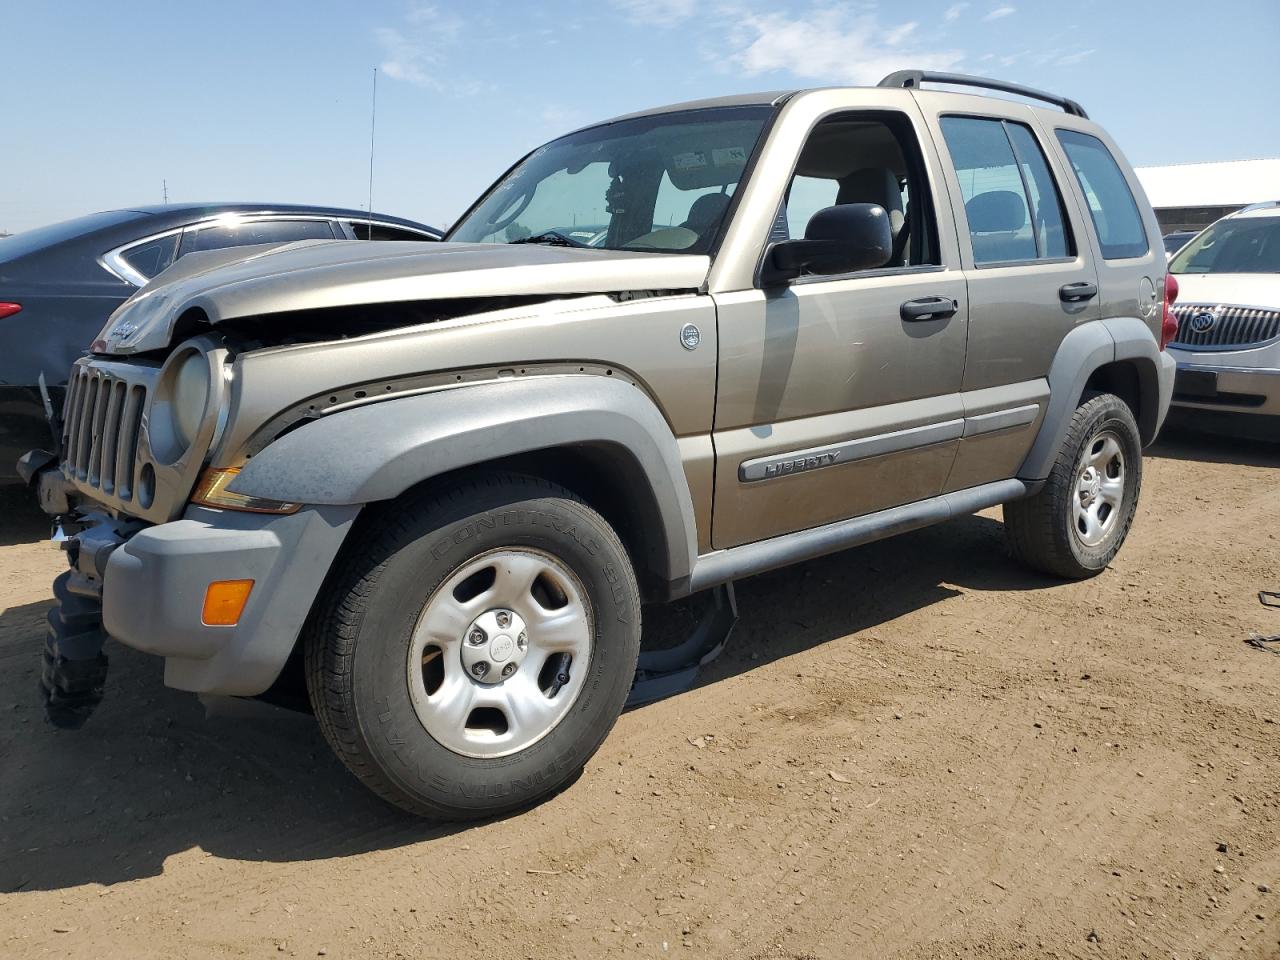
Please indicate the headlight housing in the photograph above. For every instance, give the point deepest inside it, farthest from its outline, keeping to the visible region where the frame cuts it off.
(185, 407)
(191, 382)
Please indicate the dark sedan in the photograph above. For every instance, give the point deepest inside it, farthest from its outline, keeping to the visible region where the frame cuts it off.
(58, 285)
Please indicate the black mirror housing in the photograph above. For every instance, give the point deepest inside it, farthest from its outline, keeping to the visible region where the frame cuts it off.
(840, 239)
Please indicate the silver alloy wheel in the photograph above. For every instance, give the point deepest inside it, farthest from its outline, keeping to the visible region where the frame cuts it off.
(500, 652)
(1099, 491)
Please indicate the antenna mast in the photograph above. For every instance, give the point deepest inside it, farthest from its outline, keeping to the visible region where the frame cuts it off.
(373, 126)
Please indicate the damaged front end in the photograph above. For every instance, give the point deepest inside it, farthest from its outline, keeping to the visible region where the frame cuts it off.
(73, 673)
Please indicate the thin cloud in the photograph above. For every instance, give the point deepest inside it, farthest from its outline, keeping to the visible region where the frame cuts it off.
(662, 13)
(831, 46)
(414, 51)
(1074, 58)
(1000, 12)
(954, 11)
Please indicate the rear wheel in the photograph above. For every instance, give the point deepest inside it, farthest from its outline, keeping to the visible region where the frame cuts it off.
(1075, 524)
(477, 647)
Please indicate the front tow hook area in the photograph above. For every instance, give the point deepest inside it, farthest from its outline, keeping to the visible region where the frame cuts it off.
(74, 672)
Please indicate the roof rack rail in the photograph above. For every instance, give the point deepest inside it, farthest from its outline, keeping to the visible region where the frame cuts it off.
(913, 78)
(1260, 205)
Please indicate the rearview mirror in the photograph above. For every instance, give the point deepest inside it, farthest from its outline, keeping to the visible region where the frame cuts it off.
(841, 239)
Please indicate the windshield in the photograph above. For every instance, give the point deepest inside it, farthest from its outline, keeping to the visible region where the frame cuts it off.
(660, 183)
(1239, 245)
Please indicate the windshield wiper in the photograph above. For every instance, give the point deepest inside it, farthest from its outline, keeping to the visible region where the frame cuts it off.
(551, 239)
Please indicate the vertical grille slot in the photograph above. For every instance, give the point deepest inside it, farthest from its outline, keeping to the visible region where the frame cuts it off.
(111, 434)
(130, 427)
(101, 398)
(84, 429)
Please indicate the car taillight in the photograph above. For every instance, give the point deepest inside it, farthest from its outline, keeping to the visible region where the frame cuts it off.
(1169, 324)
(9, 309)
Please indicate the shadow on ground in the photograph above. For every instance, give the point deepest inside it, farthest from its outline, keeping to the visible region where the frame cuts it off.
(21, 520)
(1185, 441)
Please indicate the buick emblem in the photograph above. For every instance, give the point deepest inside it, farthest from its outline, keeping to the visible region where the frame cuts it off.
(1203, 322)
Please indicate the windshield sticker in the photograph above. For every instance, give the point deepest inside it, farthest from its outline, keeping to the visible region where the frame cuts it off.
(689, 161)
(729, 156)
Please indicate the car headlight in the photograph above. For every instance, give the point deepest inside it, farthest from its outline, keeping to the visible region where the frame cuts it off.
(191, 383)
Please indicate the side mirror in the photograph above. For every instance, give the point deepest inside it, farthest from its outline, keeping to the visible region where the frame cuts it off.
(841, 239)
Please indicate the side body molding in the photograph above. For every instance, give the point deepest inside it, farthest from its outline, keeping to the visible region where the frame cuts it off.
(379, 450)
(1083, 350)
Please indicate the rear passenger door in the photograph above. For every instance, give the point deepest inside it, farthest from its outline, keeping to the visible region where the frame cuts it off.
(1030, 278)
(1131, 267)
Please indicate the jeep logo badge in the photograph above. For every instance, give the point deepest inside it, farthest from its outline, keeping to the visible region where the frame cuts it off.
(1203, 322)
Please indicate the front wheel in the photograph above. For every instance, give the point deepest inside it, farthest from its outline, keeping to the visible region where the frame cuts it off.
(1074, 525)
(476, 648)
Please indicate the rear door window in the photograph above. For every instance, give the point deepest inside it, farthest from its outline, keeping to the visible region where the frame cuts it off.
(241, 233)
(153, 256)
(1011, 201)
(1121, 233)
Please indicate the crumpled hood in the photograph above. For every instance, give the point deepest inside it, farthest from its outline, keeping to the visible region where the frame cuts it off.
(316, 274)
(1237, 289)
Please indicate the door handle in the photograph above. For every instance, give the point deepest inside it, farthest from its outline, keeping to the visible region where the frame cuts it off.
(928, 308)
(1077, 292)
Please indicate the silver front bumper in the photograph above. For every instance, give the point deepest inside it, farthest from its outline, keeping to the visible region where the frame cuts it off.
(154, 583)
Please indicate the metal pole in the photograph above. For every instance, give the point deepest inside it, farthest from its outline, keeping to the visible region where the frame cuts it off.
(373, 126)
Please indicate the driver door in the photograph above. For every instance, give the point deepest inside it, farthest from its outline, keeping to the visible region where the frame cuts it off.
(833, 402)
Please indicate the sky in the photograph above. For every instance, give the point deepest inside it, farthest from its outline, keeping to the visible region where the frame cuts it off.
(102, 103)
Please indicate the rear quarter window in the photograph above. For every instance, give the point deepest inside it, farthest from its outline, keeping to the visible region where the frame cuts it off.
(1114, 211)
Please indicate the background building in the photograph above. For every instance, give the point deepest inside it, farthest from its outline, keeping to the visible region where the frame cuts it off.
(1190, 196)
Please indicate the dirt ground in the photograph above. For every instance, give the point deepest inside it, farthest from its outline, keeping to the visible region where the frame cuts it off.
(913, 749)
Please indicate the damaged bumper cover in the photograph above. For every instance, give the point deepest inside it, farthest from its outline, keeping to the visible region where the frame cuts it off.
(145, 586)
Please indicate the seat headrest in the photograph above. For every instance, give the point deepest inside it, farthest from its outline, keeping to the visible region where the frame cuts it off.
(872, 185)
(705, 212)
(999, 211)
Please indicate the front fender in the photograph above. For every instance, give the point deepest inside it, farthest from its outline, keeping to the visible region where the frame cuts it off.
(379, 450)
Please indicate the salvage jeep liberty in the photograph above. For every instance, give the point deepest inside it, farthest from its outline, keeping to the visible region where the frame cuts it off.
(431, 485)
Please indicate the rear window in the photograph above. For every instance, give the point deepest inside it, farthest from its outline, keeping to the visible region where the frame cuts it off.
(1111, 205)
(29, 241)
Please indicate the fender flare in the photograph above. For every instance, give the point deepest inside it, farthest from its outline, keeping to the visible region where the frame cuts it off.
(1083, 351)
(379, 450)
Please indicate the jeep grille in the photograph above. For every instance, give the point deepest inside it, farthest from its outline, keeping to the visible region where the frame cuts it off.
(102, 421)
(1233, 326)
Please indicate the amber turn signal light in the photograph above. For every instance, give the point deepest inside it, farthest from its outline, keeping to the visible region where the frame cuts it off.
(211, 491)
(224, 602)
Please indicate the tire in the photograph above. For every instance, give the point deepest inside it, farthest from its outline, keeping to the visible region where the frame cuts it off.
(1075, 524)
(394, 657)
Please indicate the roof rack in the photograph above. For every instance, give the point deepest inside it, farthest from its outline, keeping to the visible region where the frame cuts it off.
(913, 78)
(1260, 205)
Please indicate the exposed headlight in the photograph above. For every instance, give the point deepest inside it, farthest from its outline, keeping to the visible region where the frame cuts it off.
(190, 397)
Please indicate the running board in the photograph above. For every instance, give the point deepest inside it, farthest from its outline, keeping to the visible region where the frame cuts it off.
(725, 566)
